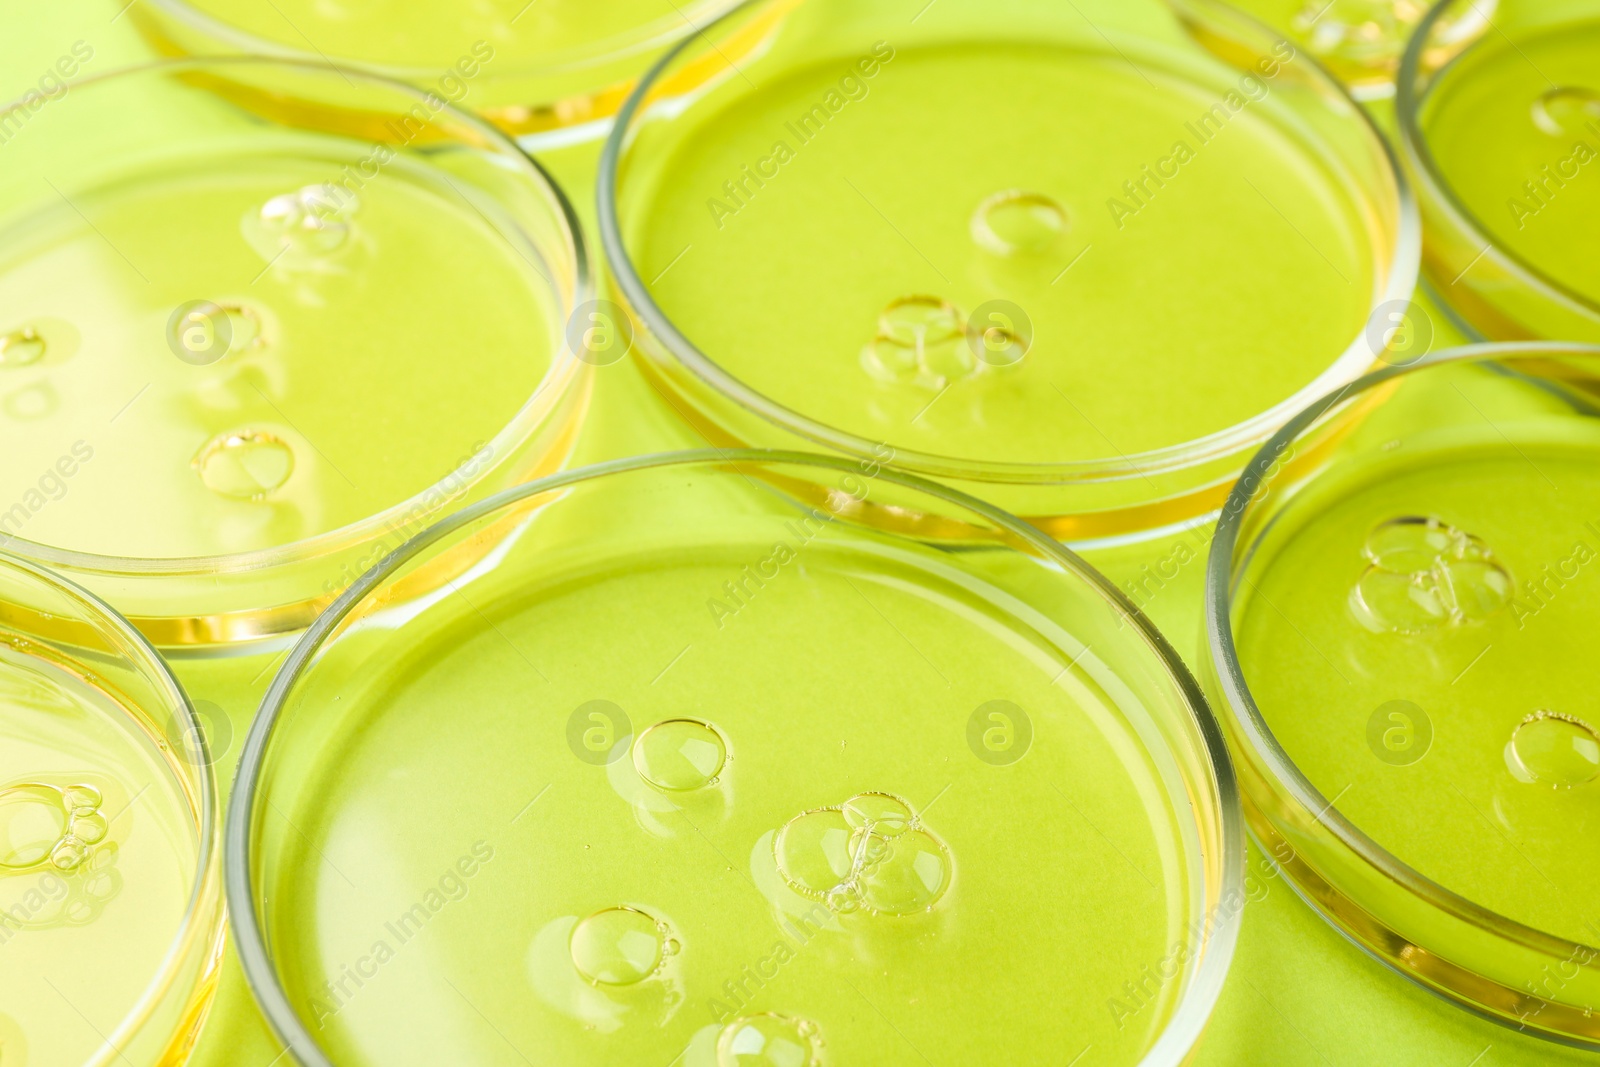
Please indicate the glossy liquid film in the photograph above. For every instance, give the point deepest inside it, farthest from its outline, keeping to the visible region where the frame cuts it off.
(757, 837)
(98, 854)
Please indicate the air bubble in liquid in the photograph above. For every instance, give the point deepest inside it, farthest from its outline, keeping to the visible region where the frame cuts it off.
(1548, 748)
(871, 854)
(1424, 574)
(620, 946)
(1563, 110)
(1015, 222)
(244, 464)
(20, 348)
(680, 755)
(768, 1039)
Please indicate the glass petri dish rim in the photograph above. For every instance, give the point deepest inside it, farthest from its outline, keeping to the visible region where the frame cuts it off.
(650, 36)
(1192, 1011)
(192, 931)
(1240, 705)
(1431, 180)
(563, 366)
(1403, 268)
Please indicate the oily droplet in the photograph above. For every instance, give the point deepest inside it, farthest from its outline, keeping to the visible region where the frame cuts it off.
(915, 321)
(20, 348)
(770, 1040)
(620, 946)
(680, 755)
(1548, 748)
(244, 465)
(1563, 110)
(887, 361)
(1425, 574)
(870, 854)
(1016, 222)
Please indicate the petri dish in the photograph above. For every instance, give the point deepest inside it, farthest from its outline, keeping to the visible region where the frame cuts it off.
(111, 905)
(1079, 268)
(265, 330)
(699, 769)
(1397, 602)
(1500, 128)
(555, 72)
(1361, 41)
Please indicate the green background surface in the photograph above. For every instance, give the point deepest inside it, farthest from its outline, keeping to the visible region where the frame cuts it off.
(1298, 993)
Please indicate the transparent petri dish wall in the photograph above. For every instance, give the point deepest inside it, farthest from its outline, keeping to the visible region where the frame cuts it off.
(1398, 606)
(730, 771)
(1077, 266)
(1500, 129)
(261, 322)
(111, 910)
(554, 71)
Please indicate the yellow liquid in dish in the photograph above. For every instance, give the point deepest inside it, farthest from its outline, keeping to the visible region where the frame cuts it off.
(794, 854)
(98, 855)
(833, 239)
(1418, 650)
(374, 344)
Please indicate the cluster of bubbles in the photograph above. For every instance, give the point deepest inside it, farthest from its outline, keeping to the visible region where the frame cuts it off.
(48, 826)
(1370, 33)
(870, 854)
(768, 1039)
(1549, 748)
(1564, 109)
(1424, 574)
(621, 946)
(929, 342)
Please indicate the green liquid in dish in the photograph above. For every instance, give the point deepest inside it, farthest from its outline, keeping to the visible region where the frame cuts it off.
(1416, 639)
(793, 859)
(1515, 131)
(405, 33)
(98, 854)
(352, 351)
(834, 239)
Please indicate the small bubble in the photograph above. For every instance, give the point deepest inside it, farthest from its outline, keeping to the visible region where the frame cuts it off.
(20, 348)
(1015, 222)
(1564, 109)
(912, 321)
(770, 1040)
(680, 755)
(308, 224)
(619, 946)
(1000, 334)
(201, 332)
(244, 464)
(1548, 748)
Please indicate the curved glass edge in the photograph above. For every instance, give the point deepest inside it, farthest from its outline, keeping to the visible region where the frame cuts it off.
(1322, 850)
(563, 389)
(190, 969)
(1216, 812)
(1459, 241)
(1400, 280)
